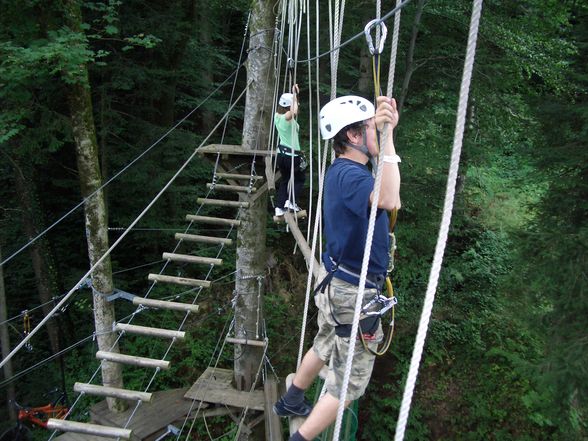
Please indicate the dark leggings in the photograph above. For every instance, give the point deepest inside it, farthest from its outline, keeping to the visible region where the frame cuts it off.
(284, 163)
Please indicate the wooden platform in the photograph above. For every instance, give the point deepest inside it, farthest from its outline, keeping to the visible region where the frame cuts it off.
(214, 386)
(150, 418)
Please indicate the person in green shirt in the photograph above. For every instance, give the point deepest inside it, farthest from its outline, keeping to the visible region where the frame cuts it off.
(290, 159)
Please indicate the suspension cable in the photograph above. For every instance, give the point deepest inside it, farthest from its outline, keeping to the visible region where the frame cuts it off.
(358, 35)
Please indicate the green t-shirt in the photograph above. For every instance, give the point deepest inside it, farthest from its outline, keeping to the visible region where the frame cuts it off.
(288, 137)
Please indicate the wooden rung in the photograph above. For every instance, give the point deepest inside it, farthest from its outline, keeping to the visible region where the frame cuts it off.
(178, 280)
(295, 215)
(238, 176)
(88, 429)
(212, 220)
(132, 360)
(243, 341)
(222, 203)
(115, 392)
(164, 304)
(203, 239)
(237, 188)
(151, 332)
(192, 259)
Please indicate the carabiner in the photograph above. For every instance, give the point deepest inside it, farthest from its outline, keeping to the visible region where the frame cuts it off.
(368, 36)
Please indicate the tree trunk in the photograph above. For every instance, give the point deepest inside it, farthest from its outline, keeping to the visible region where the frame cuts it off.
(5, 345)
(45, 281)
(251, 252)
(410, 66)
(84, 131)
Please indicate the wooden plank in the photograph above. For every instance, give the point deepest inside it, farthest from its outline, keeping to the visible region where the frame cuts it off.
(243, 341)
(88, 428)
(164, 304)
(230, 149)
(215, 386)
(151, 332)
(296, 215)
(301, 241)
(212, 220)
(239, 177)
(115, 392)
(269, 173)
(222, 203)
(132, 360)
(273, 425)
(188, 258)
(149, 418)
(183, 281)
(203, 239)
(237, 188)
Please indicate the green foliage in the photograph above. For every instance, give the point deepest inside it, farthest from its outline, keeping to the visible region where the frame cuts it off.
(506, 352)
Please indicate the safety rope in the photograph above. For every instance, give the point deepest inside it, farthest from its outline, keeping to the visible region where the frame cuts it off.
(445, 222)
(394, 50)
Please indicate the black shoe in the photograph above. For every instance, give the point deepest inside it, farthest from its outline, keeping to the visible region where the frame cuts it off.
(284, 409)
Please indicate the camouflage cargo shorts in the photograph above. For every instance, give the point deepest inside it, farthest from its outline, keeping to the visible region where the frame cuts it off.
(338, 302)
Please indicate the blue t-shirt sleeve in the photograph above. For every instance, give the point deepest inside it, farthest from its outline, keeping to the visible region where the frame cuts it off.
(356, 191)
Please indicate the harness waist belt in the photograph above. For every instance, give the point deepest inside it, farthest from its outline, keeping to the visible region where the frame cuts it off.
(285, 150)
(376, 280)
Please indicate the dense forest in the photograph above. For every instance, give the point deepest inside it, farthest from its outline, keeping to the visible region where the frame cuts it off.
(506, 356)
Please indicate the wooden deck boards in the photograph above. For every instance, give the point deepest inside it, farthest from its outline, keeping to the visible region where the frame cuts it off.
(167, 407)
(214, 386)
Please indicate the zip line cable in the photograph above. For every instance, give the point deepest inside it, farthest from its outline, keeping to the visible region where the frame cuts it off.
(83, 201)
(115, 244)
(446, 221)
(358, 35)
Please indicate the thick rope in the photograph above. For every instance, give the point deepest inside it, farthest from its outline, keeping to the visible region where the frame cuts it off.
(446, 220)
(394, 51)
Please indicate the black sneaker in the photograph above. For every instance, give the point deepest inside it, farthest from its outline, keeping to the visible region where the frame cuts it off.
(283, 409)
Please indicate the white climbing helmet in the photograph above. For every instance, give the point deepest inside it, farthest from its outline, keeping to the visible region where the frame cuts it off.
(343, 111)
(286, 100)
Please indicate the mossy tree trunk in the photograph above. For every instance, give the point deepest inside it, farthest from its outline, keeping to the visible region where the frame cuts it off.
(84, 131)
(251, 251)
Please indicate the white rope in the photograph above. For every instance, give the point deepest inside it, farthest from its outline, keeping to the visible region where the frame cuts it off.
(317, 228)
(393, 50)
(446, 220)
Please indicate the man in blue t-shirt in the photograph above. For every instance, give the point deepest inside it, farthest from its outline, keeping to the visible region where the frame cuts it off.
(351, 122)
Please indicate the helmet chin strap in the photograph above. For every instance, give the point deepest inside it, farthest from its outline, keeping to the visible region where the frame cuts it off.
(361, 148)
